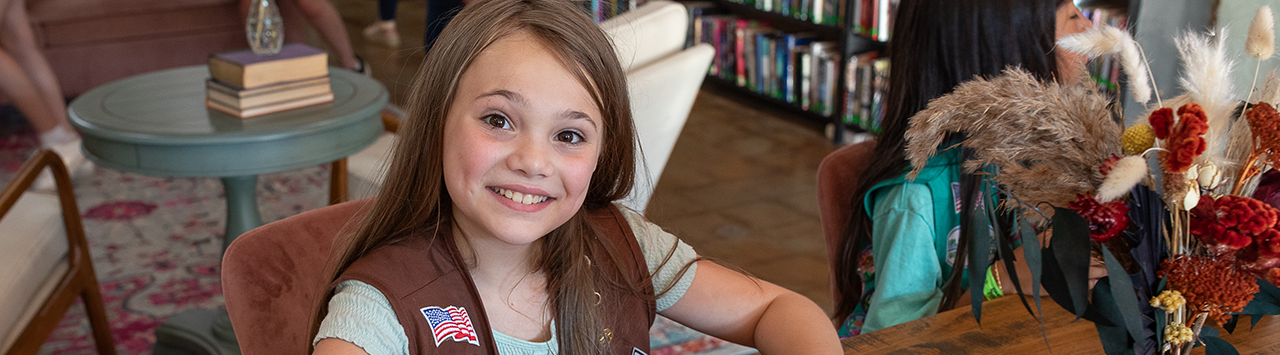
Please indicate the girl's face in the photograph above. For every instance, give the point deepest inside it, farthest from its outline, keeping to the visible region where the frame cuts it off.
(521, 141)
(1070, 21)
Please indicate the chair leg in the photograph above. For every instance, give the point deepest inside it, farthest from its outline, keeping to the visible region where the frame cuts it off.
(97, 313)
(338, 182)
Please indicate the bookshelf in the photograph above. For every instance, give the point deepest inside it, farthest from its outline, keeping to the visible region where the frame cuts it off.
(815, 44)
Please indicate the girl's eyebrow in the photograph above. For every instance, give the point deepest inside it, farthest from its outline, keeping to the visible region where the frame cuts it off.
(520, 100)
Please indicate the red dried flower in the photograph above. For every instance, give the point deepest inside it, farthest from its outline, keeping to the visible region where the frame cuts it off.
(1210, 284)
(1264, 122)
(1160, 121)
(1108, 164)
(1268, 242)
(1233, 222)
(1185, 141)
(1106, 221)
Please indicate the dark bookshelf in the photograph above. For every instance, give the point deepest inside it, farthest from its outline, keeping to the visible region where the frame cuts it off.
(848, 43)
(766, 99)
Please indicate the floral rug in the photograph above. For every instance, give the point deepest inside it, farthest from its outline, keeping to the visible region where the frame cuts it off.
(156, 245)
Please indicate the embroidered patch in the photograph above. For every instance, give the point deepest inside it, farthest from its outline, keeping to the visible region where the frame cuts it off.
(955, 195)
(450, 323)
(637, 351)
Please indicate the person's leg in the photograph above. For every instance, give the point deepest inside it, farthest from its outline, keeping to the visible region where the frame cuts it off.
(439, 13)
(384, 30)
(324, 17)
(387, 9)
(26, 75)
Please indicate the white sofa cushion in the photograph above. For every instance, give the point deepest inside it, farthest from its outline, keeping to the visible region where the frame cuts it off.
(649, 32)
(662, 94)
(33, 247)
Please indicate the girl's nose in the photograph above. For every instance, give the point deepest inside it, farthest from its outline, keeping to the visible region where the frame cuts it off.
(530, 159)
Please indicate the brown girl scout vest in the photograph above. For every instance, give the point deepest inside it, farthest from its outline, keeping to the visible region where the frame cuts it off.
(436, 301)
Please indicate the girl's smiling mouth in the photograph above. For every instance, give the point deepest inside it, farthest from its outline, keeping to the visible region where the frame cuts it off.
(519, 197)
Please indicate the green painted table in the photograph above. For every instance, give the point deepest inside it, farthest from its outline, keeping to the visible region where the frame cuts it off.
(157, 124)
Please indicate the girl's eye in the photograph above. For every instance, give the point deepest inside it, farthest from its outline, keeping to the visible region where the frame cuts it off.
(569, 137)
(497, 121)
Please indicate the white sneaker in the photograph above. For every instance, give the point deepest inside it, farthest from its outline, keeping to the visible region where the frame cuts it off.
(72, 157)
(383, 32)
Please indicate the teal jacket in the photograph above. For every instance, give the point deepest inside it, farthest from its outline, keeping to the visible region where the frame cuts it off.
(915, 235)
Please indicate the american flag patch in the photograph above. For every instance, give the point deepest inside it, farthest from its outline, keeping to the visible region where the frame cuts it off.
(450, 323)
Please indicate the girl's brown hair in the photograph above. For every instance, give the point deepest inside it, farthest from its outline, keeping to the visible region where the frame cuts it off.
(414, 197)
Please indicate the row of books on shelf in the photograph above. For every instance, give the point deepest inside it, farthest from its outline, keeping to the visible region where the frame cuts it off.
(870, 18)
(600, 10)
(796, 68)
(867, 78)
(244, 84)
(1106, 70)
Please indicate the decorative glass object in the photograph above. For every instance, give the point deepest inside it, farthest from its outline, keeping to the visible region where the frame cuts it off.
(264, 28)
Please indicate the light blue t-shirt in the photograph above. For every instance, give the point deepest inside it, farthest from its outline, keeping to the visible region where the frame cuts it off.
(362, 315)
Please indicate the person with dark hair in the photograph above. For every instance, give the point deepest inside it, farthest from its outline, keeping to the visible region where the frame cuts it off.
(904, 249)
(497, 230)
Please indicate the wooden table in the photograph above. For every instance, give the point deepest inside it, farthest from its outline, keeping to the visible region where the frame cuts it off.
(1008, 329)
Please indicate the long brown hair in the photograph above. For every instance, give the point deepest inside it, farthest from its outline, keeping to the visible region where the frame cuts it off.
(414, 197)
(936, 46)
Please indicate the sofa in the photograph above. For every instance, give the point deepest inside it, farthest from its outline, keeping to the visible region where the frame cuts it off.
(92, 42)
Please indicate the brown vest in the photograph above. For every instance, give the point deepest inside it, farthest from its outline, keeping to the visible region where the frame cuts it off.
(428, 285)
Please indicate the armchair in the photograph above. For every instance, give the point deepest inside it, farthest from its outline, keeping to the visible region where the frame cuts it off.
(271, 277)
(44, 261)
(838, 176)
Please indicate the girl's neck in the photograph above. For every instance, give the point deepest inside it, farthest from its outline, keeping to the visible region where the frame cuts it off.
(491, 261)
(513, 292)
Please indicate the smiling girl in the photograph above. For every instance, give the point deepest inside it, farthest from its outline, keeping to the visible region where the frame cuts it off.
(496, 230)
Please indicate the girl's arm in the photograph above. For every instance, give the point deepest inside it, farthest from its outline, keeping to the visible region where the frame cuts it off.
(749, 311)
(335, 346)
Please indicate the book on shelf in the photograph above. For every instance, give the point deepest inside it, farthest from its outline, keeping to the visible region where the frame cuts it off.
(253, 111)
(872, 18)
(234, 97)
(247, 70)
(792, 53)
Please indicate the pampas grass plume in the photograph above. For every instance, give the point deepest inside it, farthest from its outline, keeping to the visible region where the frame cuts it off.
(1262, 36)
(1096, 42)
(1111, 40)
(1128, 172)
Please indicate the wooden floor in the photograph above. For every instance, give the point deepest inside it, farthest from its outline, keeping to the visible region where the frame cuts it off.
(739, 186)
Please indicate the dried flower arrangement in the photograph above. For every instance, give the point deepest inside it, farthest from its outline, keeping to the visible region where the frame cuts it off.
(1199, 249)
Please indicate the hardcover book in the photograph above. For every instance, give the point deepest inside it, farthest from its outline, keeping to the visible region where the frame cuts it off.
(253, 111)
(246, 70)
(228, 95)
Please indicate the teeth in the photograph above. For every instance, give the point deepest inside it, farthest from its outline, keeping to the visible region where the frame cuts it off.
(523, 198)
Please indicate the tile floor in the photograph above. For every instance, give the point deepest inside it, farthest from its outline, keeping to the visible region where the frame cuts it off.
(739, 186)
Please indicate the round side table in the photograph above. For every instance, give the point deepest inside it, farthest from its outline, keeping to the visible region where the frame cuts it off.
(157, 124)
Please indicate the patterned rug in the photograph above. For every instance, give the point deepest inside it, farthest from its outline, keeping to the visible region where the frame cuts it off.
(156, 243)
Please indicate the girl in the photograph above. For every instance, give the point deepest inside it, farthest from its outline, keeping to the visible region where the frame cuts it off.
(914, 232)
(496, 230)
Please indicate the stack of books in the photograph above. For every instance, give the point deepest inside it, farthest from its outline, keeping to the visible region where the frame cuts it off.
(244, 84)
